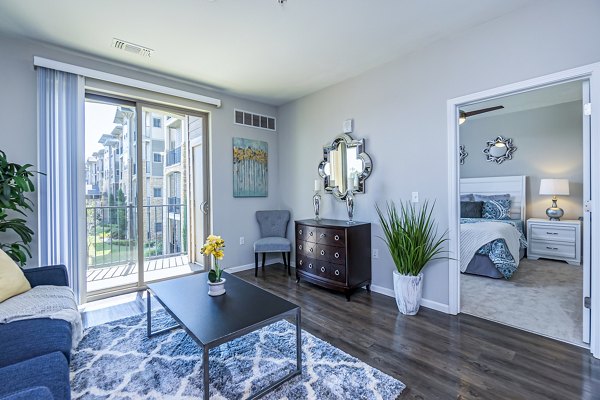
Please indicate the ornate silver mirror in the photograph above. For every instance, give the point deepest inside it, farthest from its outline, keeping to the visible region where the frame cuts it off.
(345, 166)
(499, 150)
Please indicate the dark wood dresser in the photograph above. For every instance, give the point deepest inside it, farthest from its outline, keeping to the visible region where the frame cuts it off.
(334, 254)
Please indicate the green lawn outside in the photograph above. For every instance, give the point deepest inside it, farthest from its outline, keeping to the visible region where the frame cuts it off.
(101, 253)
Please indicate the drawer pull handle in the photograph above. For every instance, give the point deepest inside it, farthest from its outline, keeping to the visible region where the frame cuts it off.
(300, 231)
(337, 255)
(551, 233)
(301, 261)
(337, 272)
(337, 237)
(311, 233)
(311, 249)
(310, 265)
(300, 247)
(322, 269)
(322, 252)
(322, 235)
(551, 248)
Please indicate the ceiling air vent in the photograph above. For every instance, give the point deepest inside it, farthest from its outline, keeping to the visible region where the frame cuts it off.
(255, 120)
(131, 48)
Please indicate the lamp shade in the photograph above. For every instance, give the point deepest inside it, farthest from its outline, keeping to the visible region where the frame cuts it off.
(554, 187)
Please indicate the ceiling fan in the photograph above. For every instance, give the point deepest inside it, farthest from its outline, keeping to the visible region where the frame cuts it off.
(463, 115)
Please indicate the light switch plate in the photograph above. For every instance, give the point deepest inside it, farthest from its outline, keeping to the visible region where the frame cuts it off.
(348, 126)
(415, 197)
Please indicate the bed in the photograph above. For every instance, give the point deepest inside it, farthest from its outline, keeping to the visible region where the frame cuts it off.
(493, 246)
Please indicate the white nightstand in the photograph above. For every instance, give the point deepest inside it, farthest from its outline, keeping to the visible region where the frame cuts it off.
(558, 240)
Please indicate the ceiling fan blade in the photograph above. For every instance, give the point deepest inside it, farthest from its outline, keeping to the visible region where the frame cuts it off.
(483, 110)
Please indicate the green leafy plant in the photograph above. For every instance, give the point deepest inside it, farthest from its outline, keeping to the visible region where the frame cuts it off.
(15, 183)
(411, 235)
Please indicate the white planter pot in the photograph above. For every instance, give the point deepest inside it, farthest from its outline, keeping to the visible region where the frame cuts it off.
(216, 288)
(408, 290)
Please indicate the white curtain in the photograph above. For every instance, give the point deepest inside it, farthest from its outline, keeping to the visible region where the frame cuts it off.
(61, 104)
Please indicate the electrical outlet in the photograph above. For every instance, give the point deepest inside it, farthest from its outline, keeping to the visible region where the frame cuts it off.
(375, 253)
(415, 197)
(348, 126)
(242, 240)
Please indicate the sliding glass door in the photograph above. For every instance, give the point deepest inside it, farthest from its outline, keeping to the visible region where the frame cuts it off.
(143, 181)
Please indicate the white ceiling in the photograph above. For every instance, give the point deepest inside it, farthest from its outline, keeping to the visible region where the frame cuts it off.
(252, 48)
(543, 97)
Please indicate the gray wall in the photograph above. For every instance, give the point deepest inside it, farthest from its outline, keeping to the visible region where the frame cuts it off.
(400, 108)
(549, 143)
(231, 217)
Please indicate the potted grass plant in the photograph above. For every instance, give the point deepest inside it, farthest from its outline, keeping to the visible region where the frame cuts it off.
(411, 236)
(214, 247)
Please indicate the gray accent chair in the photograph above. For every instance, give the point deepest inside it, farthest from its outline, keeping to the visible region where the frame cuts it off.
(273, 228)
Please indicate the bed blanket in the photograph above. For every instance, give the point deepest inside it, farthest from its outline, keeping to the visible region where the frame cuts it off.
(475, 236)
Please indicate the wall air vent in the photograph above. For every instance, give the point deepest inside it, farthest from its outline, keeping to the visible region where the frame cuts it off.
(242, 117)
(131, 48)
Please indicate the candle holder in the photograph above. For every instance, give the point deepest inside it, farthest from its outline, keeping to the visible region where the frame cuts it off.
(350, 206)
(317, 204)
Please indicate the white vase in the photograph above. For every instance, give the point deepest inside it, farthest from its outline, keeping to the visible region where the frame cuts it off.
(216, 288)
(408, 290)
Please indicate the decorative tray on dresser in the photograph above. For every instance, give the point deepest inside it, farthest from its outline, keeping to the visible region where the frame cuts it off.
(334, 254)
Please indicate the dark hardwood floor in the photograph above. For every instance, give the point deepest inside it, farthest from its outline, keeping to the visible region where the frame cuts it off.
(437, 356)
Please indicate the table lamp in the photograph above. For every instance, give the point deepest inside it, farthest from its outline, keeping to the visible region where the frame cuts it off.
(554, 187)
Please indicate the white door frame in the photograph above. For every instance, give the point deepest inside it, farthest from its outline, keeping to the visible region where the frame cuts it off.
(591, 72)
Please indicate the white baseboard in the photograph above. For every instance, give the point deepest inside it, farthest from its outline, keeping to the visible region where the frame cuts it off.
(245, 267)
(434, 305)
(383, 290)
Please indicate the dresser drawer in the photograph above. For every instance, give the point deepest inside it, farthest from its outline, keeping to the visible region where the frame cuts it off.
(331, 253)
(554, 249)
(334, 272)
(331, 237)
(307, 233)
(306, 264)
(558, 233)
(308, 249)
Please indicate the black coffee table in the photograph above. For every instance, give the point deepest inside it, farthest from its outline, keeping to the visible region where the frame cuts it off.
(212, 321)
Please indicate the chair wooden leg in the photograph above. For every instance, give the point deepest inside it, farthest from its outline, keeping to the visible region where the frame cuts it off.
(263, 261)
(289, 260)
(255, 264)
(284, 260)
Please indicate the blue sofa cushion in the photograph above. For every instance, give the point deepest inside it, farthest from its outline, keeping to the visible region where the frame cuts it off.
(29, 338)
(50, 370)
(49, 275)
(272, 244)
(37, 393)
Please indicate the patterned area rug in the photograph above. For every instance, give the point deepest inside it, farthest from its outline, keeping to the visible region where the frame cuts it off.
(117, 361)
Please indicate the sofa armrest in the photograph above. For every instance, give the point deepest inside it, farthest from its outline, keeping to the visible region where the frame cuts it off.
(50, 275)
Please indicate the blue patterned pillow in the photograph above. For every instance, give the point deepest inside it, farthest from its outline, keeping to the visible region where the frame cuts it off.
(496, 209)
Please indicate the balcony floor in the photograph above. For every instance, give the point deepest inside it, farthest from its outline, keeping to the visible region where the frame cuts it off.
(125, 274)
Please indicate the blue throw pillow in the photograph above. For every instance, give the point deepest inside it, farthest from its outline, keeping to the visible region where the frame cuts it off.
(496, 209)
(471, 209)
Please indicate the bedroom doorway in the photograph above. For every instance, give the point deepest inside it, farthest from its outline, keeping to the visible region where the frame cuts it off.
(520, 145)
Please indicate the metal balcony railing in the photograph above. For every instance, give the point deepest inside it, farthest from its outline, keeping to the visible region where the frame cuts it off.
(173, 156)
(112, 231)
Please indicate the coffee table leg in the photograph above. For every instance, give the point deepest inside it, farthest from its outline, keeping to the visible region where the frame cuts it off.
(206, 374)
(298, 343)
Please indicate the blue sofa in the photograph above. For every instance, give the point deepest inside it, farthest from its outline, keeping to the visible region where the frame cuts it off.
(35, 353)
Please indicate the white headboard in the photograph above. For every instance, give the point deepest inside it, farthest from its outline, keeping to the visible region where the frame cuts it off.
(513, 185)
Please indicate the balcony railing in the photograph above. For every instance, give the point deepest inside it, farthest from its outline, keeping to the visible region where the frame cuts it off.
(112, 231)
(173, 156)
